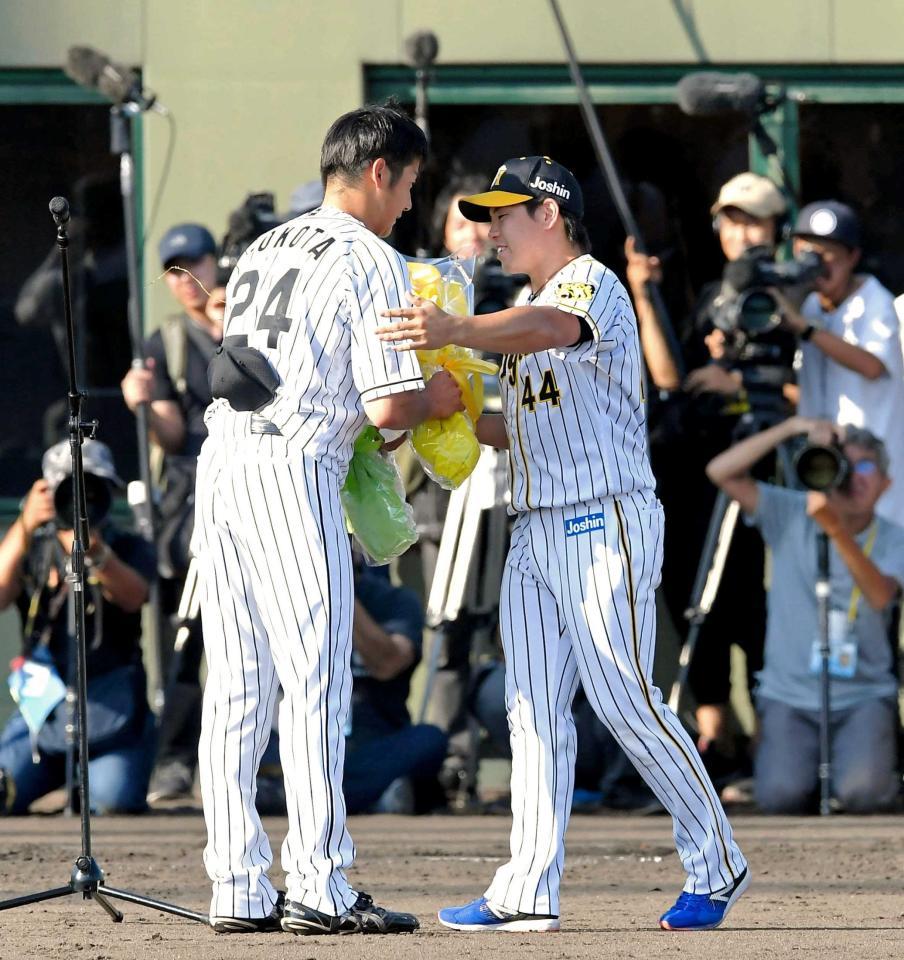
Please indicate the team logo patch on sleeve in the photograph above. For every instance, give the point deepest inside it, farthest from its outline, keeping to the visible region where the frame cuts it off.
(573, 291)
(575, 526)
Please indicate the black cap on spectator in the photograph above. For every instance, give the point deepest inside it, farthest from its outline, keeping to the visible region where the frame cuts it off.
(829, 220)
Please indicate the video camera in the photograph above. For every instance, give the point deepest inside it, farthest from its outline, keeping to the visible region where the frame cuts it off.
(254, 217)
(494, 289)
(745, 309)
(750, 317)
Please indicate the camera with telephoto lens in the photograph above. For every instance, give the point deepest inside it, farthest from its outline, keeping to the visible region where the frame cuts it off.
(253, 218)
(98, 500)
(822, 467)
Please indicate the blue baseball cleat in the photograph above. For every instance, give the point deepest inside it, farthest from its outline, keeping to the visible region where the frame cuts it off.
(478, 916)
(695, 911)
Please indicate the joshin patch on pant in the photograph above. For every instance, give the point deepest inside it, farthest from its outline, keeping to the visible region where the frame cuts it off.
(574, 526)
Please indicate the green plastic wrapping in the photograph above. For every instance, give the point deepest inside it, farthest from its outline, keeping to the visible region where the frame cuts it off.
(373, 499)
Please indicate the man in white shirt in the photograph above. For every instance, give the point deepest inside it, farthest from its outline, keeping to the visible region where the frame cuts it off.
(852, 366)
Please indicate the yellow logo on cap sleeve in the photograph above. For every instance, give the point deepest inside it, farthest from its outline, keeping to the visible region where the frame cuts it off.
(498, 178)
(573, 291)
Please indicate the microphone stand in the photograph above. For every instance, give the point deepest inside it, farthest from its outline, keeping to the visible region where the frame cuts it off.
(422, 49)
(87, 878)
(121, 118)
(823, 592)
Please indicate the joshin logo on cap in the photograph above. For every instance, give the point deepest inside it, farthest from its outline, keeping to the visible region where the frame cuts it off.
(550, 186)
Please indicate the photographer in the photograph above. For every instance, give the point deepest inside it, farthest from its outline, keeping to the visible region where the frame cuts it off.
(33, 559)
(690, 426)
(174, 385)
(866, 569)
(852, 368)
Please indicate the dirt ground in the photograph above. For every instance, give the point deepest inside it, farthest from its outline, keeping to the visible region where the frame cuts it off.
(820, 887)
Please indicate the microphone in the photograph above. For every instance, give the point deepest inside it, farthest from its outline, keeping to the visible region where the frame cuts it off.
(59, 210)
(92, 69)
(422, 48)
(704, 94)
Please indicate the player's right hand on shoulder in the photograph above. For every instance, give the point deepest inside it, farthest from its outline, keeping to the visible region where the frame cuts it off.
(443, 396)
(138, 385)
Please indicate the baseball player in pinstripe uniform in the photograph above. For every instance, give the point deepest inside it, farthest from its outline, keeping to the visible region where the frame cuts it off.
(274, 556)
(578, 591)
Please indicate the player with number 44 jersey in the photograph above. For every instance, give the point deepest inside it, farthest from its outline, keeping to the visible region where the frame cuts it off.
(578, 592)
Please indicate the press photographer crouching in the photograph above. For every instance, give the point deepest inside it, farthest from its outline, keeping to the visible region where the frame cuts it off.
(866, 570)
(34, 556)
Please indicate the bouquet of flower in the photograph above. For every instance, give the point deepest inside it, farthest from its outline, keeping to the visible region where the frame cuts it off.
(448, 449)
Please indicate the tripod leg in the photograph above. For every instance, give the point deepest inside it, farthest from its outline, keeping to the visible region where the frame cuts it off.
(161, 905)
(706, 585)
(36, 897)
(115, 915)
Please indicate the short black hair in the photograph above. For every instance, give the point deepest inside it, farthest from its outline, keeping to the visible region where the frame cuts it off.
(361, 136)
(575, 231)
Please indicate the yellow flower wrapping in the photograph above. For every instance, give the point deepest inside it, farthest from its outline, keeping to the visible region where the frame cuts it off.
(448, 449)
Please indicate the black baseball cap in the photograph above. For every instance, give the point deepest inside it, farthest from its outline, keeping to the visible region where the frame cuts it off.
(829, 220)
(188, 240)
(522, 179)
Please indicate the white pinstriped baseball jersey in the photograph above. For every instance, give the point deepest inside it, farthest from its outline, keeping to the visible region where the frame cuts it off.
(274, 559)
(578, 598)
(328, 273)
(576, 415)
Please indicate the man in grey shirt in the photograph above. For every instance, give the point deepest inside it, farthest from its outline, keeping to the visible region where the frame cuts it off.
(866, 569)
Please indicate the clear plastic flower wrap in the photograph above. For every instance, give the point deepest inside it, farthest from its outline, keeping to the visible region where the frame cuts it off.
(448, 449)
(373, 499)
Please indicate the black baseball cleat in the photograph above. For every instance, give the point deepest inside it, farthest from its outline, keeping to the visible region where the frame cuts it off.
(268, 924)
(363, 917)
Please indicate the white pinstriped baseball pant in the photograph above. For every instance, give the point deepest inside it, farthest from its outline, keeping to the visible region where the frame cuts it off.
(582, 606)
(277, 603)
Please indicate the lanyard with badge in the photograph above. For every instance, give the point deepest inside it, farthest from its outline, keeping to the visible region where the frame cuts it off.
(842, 638)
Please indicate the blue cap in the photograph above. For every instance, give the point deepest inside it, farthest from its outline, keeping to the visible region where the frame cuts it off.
(188, 240)
(829, 220)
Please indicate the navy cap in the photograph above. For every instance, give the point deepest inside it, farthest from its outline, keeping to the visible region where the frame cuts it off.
(188, 240)
(522, 179)
(306, 197)
(829, 220)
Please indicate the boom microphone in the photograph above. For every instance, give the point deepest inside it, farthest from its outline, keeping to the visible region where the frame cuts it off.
(704, 94)
(92, 69)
